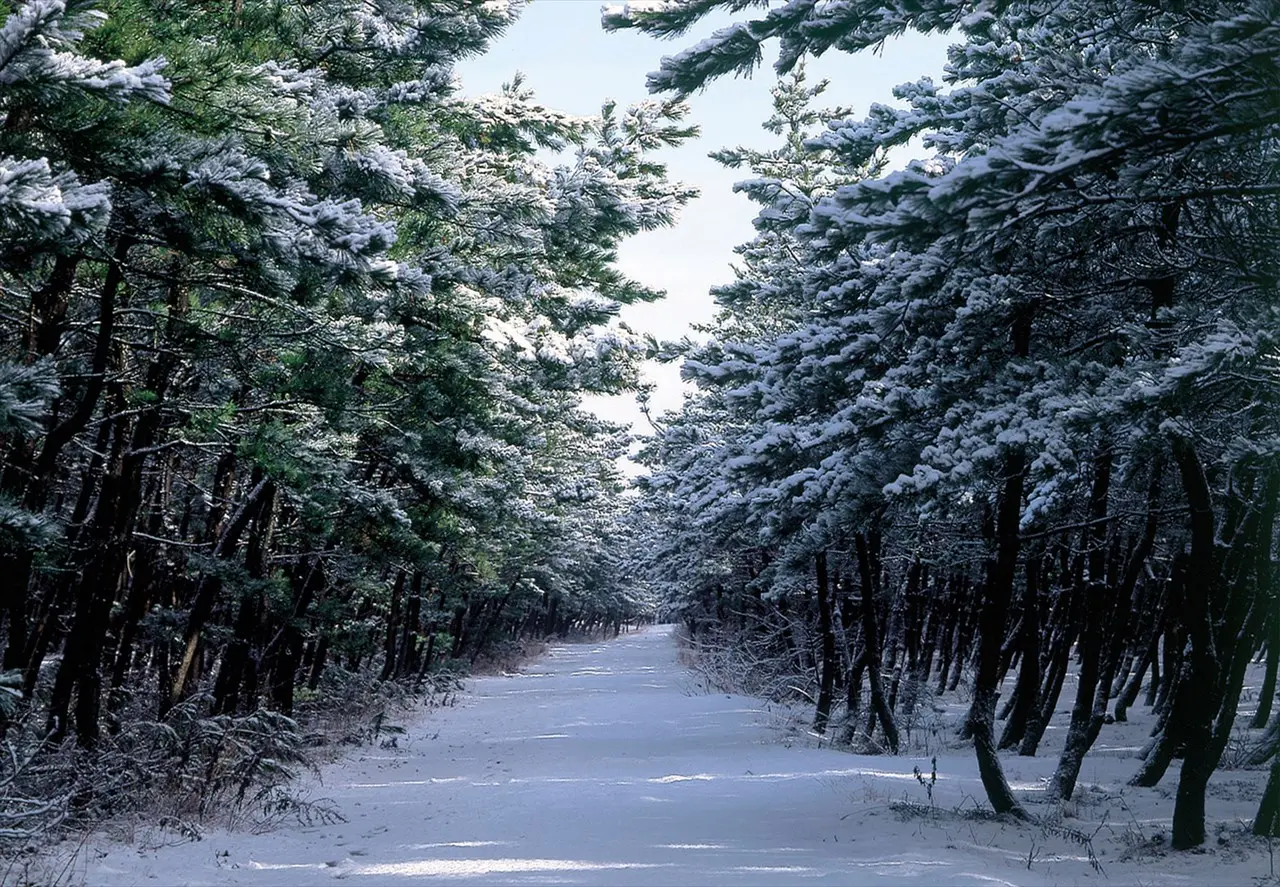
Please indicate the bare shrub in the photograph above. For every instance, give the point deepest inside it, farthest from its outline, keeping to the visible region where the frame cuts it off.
(509, 655)
(179, 773)
(759, 665)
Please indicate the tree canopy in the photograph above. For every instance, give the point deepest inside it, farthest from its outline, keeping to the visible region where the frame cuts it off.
(1024, 385)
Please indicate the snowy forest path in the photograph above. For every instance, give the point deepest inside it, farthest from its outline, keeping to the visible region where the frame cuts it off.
(600, 764)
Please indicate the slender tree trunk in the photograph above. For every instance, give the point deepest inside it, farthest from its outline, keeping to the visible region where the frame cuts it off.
(393, 628)
(207, 592)
(1202, 677)
(871, 651)
(238, 668)
(998, 592)
(1079, 730)
(1129, 693)
(1055, 674)
(284, 651)
(61, 434)
(408, 658)
(485, 636)
(1248, 611)
(966, 604)
(826, 631)
(1267, 695)
(1027, 689)
(318, 660)
(1266, 824)
(951, 619)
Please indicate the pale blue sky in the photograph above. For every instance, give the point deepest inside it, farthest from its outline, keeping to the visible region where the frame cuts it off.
(573, 66)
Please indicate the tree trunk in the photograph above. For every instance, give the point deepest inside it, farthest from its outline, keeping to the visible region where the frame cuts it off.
(1267, 695)
(1079, 731)
(1027, 689)
(1129, 693)
(1202, 677)
(61, 434)
(994, 606)
(207, 594)
(238, 668)
(393, 628)
(408, 657)
(826, 631)
(1267, 823)
(283, 653)
(870, 641)
(1055, 674)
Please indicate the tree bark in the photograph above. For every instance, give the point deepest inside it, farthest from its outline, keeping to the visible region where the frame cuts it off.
(998, 592)
(1027, 689)
(1267, 695)
(1202, 675)
(1266, 824)
(207, 592)
(870, 641)
(826, 631)
(393, 628)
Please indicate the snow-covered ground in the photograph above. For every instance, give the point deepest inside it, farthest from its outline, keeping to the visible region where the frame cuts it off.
(603, 764)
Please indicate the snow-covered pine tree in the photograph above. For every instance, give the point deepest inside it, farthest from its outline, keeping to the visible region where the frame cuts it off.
(1039, 320)
(301, 369)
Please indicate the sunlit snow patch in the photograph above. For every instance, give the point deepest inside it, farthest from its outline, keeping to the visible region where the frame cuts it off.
(433, 781)
(456, 844)
(699, 777)
(693, 846)
(463, 868)
(280, 866)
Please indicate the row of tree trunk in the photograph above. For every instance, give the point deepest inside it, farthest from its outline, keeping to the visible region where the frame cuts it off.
(1104, 599)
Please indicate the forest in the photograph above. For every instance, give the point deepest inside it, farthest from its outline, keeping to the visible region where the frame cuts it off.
(297, 340)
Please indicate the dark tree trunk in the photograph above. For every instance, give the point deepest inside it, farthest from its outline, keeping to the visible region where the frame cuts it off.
(226, 686)
(61, 434)
(393, 629)
(428, 655)
(284, 652)
(1267, 823)
(408, 658)
(912, 633)
(1157, 679)
(1128, 694)
(206, 595)
(870, 641)
(1267, 695)
(1167, 737)
(948, 611)
(318, 660)
(1202, 676)
(141, 589)
(44, 333)
(827, 633)
(238, 669)
(1248, 610)
(966, 604)
(998, 593)
(1105, 634)
(856, 664)
(460, 614)
(1079, 730)
(1027, 689)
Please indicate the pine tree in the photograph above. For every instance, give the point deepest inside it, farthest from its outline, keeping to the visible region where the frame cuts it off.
(1016, 338)
(300, 371)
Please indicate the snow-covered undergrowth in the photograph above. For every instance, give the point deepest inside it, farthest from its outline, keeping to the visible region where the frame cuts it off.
(156, 781)
(1107, 822)
(600, 765)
